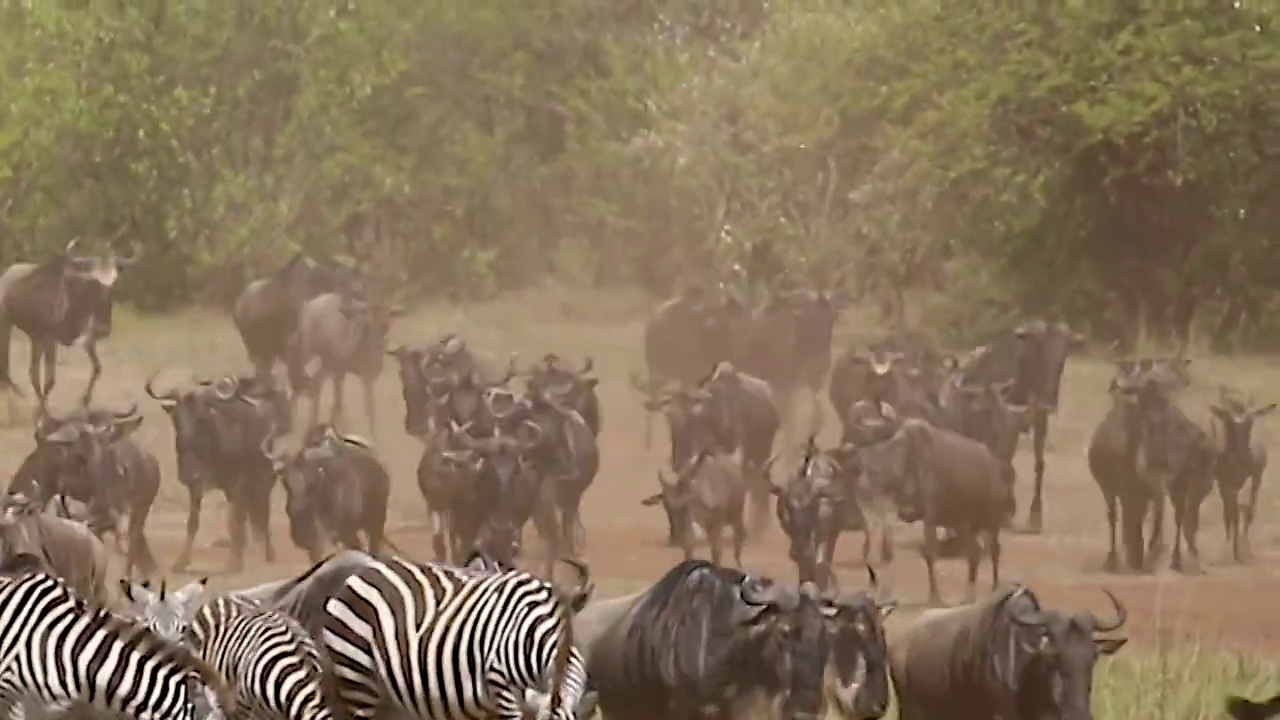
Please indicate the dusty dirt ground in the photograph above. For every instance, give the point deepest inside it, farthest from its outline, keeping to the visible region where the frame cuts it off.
(1228, 606)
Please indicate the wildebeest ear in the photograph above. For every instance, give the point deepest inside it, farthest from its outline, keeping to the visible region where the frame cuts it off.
(1109, 646)
(591, 382)
(652, 500)
(1264, 410)
(774, 490)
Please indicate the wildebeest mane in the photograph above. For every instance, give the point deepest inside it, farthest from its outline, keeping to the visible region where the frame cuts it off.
(682, 625)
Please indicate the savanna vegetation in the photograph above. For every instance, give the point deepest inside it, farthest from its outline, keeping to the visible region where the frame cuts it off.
(1112, 163)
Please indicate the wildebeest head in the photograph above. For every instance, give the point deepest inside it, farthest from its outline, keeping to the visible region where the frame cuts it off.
(502, 480)
(1063, 648)
(675, 497)
(859, 652)
(168, 614)
(572, 388)
(305, 277)
(887, 469)
(89, 282)
(1042, 356)
(808, 508)
(688, 419)
(1171, 373)
(868, 422)
(304, 475)
(1236, 416)
(417, 369)
(72, 447)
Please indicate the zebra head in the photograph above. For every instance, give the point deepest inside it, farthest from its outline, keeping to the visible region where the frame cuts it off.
(167, 614)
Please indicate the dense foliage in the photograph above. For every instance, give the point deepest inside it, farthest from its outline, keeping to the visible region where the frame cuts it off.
(1111, 163)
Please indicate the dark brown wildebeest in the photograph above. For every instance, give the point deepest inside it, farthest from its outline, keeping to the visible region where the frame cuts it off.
(1033, 356)
(710, 492)
(346, 335)
(266, 312)
(335, 488)
(906, 377)
(814, 314)
(219, 431)
(445, 371)
(1118, 465)
(70, 549)
(942, 479)
(567, 458)
(1002, 657)
(571, 388)
(58, 302)
(704, 641)
(1242, 458)
(91, 457)
(685, 336)
(813, 508)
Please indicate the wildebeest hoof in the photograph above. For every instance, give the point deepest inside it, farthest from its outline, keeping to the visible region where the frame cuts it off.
(1111, 564)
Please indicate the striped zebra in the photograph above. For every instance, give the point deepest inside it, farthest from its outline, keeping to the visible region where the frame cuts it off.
(436, 642)
(57, 652)
(266, 655)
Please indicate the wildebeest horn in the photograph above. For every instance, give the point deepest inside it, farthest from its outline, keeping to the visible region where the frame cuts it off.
(171, 395)
(127, 414)
(585, 587)
(224, 388)
(70, 250)
(511, 369)
(753, 594)
(1027, 618)
(587, 366)
(1121, 615)
(397, 351)
(539, 433)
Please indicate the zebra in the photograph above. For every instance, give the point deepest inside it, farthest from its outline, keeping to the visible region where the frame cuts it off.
(266, 655)
(59, 652)
(442, 643)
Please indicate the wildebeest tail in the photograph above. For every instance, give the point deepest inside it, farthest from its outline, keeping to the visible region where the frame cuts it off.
(1242, 709)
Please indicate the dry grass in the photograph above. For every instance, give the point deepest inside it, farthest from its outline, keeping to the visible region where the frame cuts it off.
(1193, 638)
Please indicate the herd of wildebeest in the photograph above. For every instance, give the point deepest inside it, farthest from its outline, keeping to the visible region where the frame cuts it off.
(926, 436)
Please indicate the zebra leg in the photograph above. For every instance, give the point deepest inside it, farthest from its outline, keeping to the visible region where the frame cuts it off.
(194, 502)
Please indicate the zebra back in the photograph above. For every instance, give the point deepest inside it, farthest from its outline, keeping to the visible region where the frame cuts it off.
(67, 651)
(448, 643)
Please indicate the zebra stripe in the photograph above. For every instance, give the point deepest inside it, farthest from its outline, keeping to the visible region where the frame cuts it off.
(267, 656)
(56, 651)
(444, 643)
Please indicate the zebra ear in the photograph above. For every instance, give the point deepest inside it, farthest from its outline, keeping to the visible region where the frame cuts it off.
(137, 593)
(190, 596)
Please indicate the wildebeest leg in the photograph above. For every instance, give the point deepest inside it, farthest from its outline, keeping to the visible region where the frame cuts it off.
(1112, 563)
(439, 534)
(195, 500)
(237, 518)
(95, 370)
(339, 382)
(993, 549)
(738, 533)
(1230, 520)
(370, 407)
(1156, 546)
(1190, 529)
(259, 512)
(929, 551)
(1179, 517)
(1255, 482)
(33, 372)
(544, 521)
(1040, 431)
(714, 529)
(973, 554)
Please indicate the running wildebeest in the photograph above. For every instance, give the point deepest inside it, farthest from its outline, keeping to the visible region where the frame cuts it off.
(219, 432)
(1242, 458)
(1033, 356)
(58, 302)
(942, 479)
(347, 335)
(571, 388)
(705, 640)
(568, 459)
(1002, 657)
(266, 312)
(813, 508)
(335, 488)
(709, 492)
(91, 457)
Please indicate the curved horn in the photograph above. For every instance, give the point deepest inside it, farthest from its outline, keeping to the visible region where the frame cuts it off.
(587, 366)
(511, 369)
(127, 414)
(539, 434)
(873, 582)
(1027, 618)
(224, 388)
(585, 586)
(148, 386)
(753, 594)
(1121, 615)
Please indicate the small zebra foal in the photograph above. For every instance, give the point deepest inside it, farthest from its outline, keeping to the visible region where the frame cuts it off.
(267, 656)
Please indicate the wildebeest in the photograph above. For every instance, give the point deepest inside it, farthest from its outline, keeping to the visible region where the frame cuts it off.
(335, 488)
(704, 639)
(1033, 356)
(1002, 657)
(685, 336)
(69, 549)
(710, 492)
(815, 314)
(58, 302)
(219, 432)
(568, 459)
(813, 508)
(571, 388)
(1242, 458)
(942, 479)
(91, 457)
(266, 312)
(346, 335)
